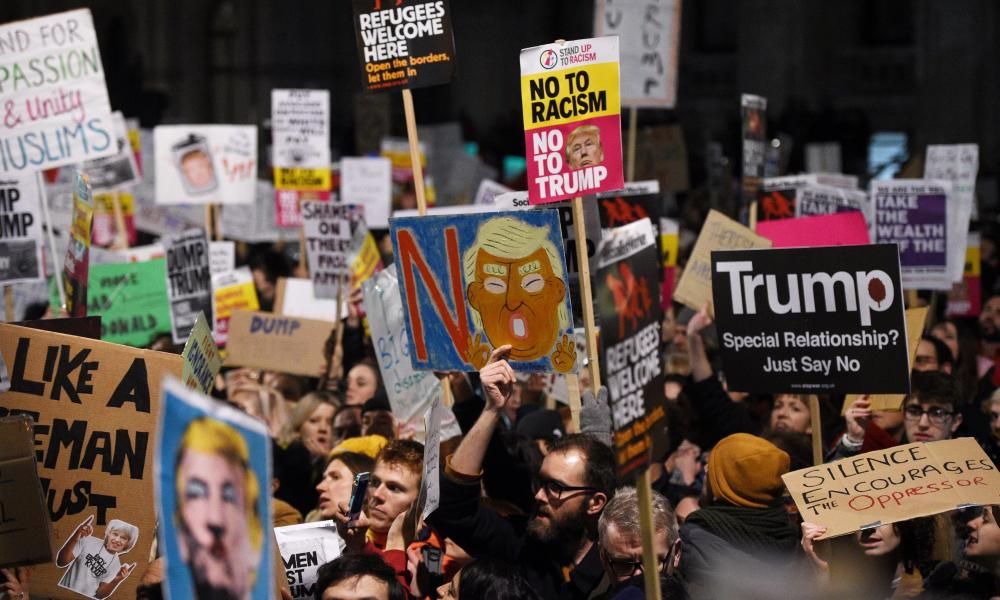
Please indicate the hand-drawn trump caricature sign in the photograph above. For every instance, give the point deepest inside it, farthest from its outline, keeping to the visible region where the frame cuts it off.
(471, 283)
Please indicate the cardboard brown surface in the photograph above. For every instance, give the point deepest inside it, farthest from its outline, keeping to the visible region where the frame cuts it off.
(25, 529)
(915, 318)
(96, 407)
(268, 341)
(718, 233)
(895, 484)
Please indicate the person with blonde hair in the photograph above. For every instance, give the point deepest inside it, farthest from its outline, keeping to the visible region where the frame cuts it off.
(310, 423)
(516, 290)
(217, 518)
(583, 147)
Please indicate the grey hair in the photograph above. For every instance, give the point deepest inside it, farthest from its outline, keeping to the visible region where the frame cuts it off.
(622, 511)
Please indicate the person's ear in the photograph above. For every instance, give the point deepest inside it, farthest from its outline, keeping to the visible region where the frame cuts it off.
(472, 293)
(676, 562)
(956, 422)
(597, 503)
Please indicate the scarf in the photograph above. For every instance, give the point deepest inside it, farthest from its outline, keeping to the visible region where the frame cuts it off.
(752, 530)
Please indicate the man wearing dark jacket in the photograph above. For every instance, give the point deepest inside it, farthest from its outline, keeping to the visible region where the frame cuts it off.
(557, 546)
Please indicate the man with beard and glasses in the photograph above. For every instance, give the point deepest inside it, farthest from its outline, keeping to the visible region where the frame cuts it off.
(557, 546)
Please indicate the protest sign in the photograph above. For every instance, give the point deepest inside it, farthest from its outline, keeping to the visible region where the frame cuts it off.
(430, 480)
(815, 199)
(459, 276)
(221, 256)
(287, 205)
(567, 225)
(297, 298)
(661, 154)
(915, 214)
(56, 108)
(838, 229)
(329, 233)
(201, 358)
(753, 110)
(915, 319)
(267, 341)
(572, 119)
(101, 256)
(718, 233)
(649, 31)
(966, 297)
(811, 320)
(776, 196)
(404, 46)
(132, 301)
(300, 130)
(959, 164)
(88, 327)
(119, 169)
(630, 342)
(410, 392)
(205, 164)
(77, 262)
(304, 549)
(487, 192)
(20, 229)
(95, 406)
(210, 454)
(105, 228)
(254, 222)
(233, 290)
(368, 182)
(25, 526)
(189, 281)
(669, 243)
(895, 484)
(364, 259)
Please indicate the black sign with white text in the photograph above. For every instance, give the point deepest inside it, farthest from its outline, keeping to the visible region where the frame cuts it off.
(811, 320)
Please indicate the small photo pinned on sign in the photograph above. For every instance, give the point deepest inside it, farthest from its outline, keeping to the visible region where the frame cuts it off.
(92, 563)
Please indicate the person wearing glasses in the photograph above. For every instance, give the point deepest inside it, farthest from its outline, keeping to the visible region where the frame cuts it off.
(557, 546)
(930, 412)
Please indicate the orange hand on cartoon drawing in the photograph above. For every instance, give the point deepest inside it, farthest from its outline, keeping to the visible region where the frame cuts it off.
(564, 357)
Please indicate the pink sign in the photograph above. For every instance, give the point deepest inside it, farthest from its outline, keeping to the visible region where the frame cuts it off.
(838, 229)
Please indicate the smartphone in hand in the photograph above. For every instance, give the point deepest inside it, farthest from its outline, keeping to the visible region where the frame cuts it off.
(358, 493)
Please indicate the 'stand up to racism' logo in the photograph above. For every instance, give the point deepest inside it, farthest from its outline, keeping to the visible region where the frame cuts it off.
(548, 59)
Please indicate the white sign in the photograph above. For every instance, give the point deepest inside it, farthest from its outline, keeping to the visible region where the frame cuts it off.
(300, 301)
(300, 128)
(327, 228)
(119, 169)
(430, 483)
(20, 229)
(488, 191)
(54, 107)
(206, 164)
(221, 256)
(304, 549)
(368, 182)
(649, 31)
(959, 164)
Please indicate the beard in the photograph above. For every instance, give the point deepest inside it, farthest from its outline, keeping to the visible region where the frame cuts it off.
(988, 332)
(560, 533)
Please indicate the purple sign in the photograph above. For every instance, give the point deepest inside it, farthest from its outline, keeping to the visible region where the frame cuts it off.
(917, 223)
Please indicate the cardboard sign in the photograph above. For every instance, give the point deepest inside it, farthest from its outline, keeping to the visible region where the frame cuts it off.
(718, 233)
(267, 341)
(915, 215)
(630, 342)
(959, 164)
(205, 164)
(811, 320)
(368, 183)
(189, 281)
(231, 291)
(407, 46)
(329, 232)
(201, 358)
(88, 327)
(915, 319)
(471, 283)
(119, 169)
(221, 256)
(105, 227)
(572, 119)
(825, 200)
(410, 392)
(304, 549)
(753, 110)
(20, 229)
(132, 301)
(95, 407)
(895, 484)
(56, 108)
(287, 205)
(210, 454)
(300, 129)
(77, 262)
(966, 297)
(649, 31)
(839, 229)
(25, 528)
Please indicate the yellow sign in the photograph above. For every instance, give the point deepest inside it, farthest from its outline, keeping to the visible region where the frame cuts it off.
(302, 180)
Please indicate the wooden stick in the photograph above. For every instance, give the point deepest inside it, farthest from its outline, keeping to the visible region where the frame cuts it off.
(573, 391)
(56, 263)
(446, 398)
(586, 297)
(121, 240)
(303, 264)
(633, 126)
(209, 221)
(650, 570)
(753, 216)
(8, 302)
(816, 424)
(912, 299)
(411, 136)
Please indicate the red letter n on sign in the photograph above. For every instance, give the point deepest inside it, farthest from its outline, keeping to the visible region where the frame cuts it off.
(456, 324)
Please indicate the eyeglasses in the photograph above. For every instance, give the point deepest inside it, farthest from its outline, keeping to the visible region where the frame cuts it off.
(624, 567)
(935, 414)
(555, 489)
